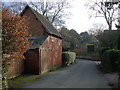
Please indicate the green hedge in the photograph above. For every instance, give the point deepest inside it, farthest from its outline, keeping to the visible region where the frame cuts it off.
(118, 42)
(90, 48)
(110, 60)
(68, 58)
(102, 50)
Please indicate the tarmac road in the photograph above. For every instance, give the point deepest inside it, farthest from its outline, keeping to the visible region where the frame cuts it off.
(83, 74)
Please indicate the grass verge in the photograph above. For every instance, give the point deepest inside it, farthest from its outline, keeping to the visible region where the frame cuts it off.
(18, 81)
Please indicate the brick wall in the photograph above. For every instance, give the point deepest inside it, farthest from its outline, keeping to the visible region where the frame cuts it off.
(15, 68)
(35, 27)
(51, 53)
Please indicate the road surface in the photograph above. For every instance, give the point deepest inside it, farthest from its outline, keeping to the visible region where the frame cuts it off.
(83, 74)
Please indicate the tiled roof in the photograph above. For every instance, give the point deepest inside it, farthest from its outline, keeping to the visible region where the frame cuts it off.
(46, 23)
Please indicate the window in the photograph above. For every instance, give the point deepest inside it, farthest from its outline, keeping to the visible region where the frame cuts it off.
(52, 39)
(58, 42)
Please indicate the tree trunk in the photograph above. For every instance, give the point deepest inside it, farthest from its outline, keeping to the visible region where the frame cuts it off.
(110, 27)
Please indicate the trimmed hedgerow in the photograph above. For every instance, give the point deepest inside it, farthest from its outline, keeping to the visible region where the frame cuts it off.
(118, 42)
(102, 50)
(90, 48)
(110, 59)
(68, 58)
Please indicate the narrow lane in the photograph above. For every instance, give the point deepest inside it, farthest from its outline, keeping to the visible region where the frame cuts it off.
(83, 74)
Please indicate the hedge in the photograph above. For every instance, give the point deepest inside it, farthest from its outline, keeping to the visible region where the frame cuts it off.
(68, 58)
(102, 50)
(90, 48)
(110, 60)
(118, 42)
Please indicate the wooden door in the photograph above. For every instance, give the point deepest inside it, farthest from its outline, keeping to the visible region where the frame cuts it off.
(32, 62)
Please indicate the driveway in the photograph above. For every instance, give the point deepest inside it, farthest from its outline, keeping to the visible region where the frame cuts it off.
(83, 74)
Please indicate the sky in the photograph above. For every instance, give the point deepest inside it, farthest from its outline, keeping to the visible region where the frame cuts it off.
(80, 20)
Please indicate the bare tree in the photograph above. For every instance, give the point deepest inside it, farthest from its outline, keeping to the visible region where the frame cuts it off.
(54, 11)
(97, 29)
(107, 10)
(15, 7)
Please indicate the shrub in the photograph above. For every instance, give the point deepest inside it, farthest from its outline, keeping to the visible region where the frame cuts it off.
(118, 42)
(102, 50)
(108, 38)
(14, 40)
(90, 48)
(68, 58)
(110, 60)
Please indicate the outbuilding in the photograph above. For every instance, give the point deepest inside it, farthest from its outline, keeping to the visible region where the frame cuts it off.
(45, 50)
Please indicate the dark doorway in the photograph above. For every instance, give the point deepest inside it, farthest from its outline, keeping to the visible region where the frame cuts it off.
(31, 63)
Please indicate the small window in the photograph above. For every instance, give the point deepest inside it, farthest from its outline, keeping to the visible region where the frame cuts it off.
(58, 42)
(53, 39)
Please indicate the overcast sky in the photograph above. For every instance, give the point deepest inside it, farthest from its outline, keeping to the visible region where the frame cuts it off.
(80, 19)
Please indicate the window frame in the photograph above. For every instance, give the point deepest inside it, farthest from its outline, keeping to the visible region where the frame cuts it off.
(52, 39)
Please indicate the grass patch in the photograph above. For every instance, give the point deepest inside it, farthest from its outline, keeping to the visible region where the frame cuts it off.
(16, 82)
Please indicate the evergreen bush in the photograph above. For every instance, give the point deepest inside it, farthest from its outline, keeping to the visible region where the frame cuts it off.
(90, 48)
(68, 58)
(102, 50)
(110, 60)
(118, 42)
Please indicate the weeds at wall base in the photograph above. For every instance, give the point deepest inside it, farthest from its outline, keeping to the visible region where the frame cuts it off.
(16, 82)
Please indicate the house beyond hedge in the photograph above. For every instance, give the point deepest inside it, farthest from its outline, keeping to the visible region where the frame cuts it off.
(45, 50)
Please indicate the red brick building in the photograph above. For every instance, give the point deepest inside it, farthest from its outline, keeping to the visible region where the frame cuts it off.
(45, 50)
